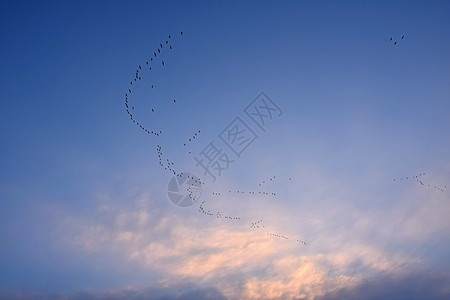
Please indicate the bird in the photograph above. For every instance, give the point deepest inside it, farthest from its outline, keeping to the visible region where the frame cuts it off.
(167, 42)
(182, 33)
(169, 36)
(160, 45)
(174, 100)
(162, 62)
(159, 51)
(390, 39)
(395, 43)
(170, 47)
(140, 67)
(403, 37)
(154, 54)
(153, 110)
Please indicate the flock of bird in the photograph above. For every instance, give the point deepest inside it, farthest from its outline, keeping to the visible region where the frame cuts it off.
(271, 179)
(395, 42)
(254, 225)
(419, 180)
(250, 192)
(138, 77)
(218, 214)
(168, 164)
(258, 225)
(191, 139)
(192, 190)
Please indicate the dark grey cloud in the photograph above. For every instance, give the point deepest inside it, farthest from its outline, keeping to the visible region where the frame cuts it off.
(411, 287)
(179, 292)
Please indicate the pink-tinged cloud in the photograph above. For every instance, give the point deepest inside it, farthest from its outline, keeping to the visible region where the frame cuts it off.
(241, 263)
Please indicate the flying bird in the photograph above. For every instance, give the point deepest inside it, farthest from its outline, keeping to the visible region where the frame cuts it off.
(403, 37)
(390, 39)
(395, 43)
(162, 62)
(182, 33)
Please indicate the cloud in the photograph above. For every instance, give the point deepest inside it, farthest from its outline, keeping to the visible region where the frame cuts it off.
(413, 286)
(239, 262)
(162, 292)
(348, 243)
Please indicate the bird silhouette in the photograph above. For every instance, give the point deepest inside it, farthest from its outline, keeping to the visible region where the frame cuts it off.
(390, 39)
(395, 43)
(403, 37)
(162, 62)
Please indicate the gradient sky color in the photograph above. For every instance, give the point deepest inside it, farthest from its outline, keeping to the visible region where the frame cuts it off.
(84, 211)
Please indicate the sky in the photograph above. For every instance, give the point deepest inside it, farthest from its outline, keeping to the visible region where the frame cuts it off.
(340, 194)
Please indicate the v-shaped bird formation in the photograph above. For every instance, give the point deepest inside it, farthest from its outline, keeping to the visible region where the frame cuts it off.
(141, 70)
(419, 178)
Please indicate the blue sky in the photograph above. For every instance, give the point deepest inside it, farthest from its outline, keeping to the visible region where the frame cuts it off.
(84, 209)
